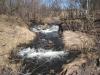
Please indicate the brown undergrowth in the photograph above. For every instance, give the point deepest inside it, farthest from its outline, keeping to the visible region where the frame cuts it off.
(13, 32)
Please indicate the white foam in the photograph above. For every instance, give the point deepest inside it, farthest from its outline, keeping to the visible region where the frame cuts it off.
(41, 53)
(53, 28)
(50, 32)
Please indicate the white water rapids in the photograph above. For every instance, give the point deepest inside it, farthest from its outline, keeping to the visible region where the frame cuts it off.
(38, 60)
(52, 31)
(40, 53)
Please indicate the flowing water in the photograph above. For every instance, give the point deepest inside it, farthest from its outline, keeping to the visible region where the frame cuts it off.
(47, 55)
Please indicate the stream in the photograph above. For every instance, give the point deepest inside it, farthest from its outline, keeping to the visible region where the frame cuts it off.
(47, 55)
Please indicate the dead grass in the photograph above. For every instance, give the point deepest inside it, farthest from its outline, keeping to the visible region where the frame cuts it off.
(13, 32)
(78, 40)
(80, 66)
(52, 20)
(75, 63)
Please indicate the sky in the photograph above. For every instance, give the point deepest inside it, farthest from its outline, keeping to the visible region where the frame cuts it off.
(63, 3)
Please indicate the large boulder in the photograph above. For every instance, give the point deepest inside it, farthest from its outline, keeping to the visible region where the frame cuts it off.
(78, 40)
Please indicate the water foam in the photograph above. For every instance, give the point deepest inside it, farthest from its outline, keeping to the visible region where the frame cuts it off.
(41, 53)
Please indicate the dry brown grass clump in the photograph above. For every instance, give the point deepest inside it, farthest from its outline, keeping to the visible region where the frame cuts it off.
(13, 32)
(80, 66)
(78, 40)
(52, 20)
(73, 67)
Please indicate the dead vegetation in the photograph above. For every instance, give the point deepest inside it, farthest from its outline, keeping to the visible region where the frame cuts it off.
(78, 40)
(81, 67)
(52, 20)
(13, 32)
